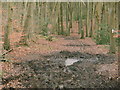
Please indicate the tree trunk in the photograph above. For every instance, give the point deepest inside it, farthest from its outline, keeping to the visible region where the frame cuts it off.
(102, 16)
(87, 20)
(79, 18)
(6, 44)
(25, 32)
(91, 20)
(58, 25)
(70, 7)
(118, 45)
(112, 40)
(61, 18)
(80, 22)
(1, 46)
(67, 21)
(24, 14)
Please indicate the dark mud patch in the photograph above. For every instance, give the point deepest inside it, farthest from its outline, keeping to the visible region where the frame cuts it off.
(76, 45)
(52, 72)
(71, 38)
(97, 58)
(67, 54)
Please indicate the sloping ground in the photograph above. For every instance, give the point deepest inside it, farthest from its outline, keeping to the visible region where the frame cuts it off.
(41, 65)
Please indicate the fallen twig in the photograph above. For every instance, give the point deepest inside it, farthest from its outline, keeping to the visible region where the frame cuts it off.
(7, 52)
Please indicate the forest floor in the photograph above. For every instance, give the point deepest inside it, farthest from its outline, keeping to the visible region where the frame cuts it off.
(43, 64)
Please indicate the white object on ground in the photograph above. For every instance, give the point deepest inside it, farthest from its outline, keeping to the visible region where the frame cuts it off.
(69, 61)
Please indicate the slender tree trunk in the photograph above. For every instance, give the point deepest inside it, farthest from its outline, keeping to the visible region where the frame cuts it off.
(79, 18)
(118, 16)
(105, 15)
(112, 40)
(1, 41)
(40, 16)
(1, 46)
(71, 12)
(25, 33)
(67, 21)
(102, 16)
(80, 22)
(94, 19)
(87, 23)
(91, 20)
(24, 14)
(61, 18)
(33, 21)
(8, 28)
(58, 25)
(119, 45)
(98, 20)
(53, 12)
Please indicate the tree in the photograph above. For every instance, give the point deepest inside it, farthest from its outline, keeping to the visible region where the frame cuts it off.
(61, 18)
(1, 31)
(58, 21)
(80, 27)
(6, 44)
(23, 15)
(67, 20)
(118, 16)
(25, 32)
(70, 13)
(112, 40)
(98, 15)
(79, 18)
(118, 46)
(87, 20)
(91, 20)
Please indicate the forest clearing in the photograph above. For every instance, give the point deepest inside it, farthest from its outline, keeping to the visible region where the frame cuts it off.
(59, 45)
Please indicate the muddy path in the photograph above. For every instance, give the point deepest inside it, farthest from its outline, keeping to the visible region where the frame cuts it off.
(52, 72)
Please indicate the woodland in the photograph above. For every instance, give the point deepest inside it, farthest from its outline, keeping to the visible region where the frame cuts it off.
(59, 45)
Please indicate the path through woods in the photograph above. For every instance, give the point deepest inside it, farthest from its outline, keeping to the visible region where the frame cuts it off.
(42, 64)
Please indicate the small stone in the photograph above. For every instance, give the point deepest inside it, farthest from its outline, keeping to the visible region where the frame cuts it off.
(110, 78)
